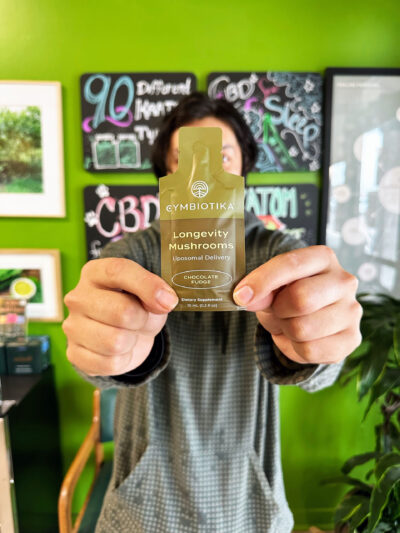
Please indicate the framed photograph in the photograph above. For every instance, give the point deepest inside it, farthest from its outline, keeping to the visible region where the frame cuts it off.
(361, 192)
(35, 276)
(31, 149)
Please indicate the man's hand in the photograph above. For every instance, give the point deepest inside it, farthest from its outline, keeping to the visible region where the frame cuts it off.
(307, 302)
(115, 312)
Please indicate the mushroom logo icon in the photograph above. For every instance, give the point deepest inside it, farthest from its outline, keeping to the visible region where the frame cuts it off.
(199, 189)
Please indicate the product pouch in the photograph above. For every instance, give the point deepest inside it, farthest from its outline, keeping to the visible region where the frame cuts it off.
(202, 225)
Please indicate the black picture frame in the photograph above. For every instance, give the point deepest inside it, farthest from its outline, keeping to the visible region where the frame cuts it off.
(363, 104)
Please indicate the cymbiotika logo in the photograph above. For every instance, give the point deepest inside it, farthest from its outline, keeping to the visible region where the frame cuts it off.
(199, 189)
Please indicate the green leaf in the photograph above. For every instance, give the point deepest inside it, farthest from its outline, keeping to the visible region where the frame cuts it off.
(360, 515)
(383, 527)
(388, 381)
(394, 435)
(348, 480)
(372, 367)
(354, 359)
(349, 506)
(6, 273)
(7, 276)
(385, 462)
(396, 340)
(369, 473)
(380, 495)
(378, 437)
(344, 379)
(358, 460)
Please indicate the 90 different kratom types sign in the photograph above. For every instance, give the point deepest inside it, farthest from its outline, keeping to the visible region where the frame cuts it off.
(121, 113)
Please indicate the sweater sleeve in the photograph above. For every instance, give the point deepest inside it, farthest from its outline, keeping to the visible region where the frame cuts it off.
(155, 363)
(143, 248)
(280, 370)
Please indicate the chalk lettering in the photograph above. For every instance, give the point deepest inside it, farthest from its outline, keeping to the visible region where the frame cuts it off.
(146, 109)
(109, 204)
(281, 202)
(293, 121)
(242, 90)
(131, 214)
(128, 206)
(145, 132)
(160, 87)
(100, 98)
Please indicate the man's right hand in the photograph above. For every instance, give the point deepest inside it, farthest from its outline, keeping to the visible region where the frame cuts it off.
(115, 312)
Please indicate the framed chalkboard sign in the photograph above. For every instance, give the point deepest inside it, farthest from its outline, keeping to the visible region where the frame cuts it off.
(361, 200)
(292, 208)
(112, 211)
(121, 113)
(284, 112)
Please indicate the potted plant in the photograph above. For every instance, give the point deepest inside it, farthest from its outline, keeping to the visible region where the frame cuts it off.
(372, 505)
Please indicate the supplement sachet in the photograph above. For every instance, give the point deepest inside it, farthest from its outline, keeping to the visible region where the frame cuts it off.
(202, 224)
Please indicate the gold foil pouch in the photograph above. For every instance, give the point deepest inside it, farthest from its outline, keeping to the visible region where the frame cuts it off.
(202, 225)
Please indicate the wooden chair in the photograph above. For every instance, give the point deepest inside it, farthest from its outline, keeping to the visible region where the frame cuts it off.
(100, 431)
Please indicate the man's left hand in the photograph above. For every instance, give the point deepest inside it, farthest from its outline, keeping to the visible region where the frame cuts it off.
(307, 301)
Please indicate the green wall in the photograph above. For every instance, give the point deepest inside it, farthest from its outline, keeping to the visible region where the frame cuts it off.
(50, 40)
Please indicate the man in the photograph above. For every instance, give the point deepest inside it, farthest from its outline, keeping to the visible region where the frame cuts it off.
(197, 420)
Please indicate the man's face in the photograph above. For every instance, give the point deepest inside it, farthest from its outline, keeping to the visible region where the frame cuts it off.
(231, 153)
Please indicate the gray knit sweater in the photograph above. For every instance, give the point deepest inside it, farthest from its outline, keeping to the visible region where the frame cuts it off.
(197, 439)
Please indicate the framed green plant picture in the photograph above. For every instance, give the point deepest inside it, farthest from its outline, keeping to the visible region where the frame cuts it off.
(31, 149)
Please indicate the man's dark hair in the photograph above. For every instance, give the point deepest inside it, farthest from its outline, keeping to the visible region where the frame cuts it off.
(198, 105)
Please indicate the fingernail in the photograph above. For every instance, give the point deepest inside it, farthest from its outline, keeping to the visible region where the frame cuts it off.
(167, 299)
(243, 295)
